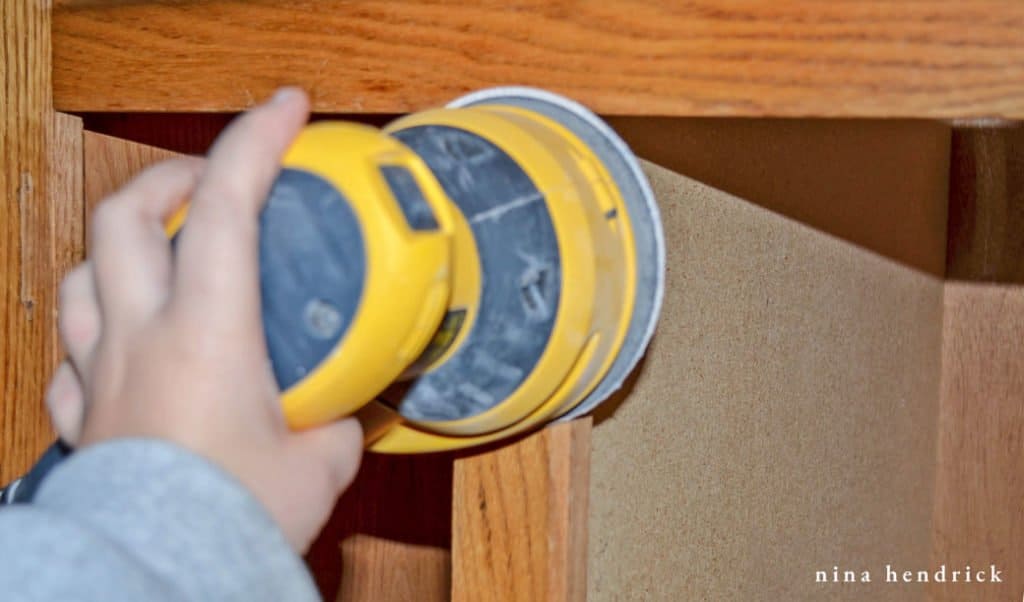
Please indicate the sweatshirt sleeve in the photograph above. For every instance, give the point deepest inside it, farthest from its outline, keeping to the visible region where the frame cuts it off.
(140, 519)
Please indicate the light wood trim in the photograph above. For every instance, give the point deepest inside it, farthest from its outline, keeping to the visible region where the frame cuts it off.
(930, 58)
(979, 495)
(519, 519)
(39, 229)
(110, 162)
(979, 498)
(377, 569)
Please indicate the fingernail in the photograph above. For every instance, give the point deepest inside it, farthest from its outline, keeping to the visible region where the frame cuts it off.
(285, 95)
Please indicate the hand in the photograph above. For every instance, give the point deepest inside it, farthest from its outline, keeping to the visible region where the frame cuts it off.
(172, 346)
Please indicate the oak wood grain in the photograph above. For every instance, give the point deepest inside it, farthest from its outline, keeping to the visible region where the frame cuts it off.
(519, 519)
(111, 162)
(67, 206)
(934, 58)
(37, 151)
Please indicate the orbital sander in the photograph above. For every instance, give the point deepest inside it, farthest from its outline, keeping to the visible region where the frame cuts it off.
(465, 274)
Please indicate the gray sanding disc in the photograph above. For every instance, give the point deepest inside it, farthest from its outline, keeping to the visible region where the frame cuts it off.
(644, 216)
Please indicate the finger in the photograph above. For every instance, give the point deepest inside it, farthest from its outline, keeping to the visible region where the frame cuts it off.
(338, 447)
(319, 464)
(217, 253)
(129, 250)
(65, 402)
(78, 319)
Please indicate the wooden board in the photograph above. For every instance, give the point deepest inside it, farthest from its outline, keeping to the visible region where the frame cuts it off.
(871, 182)
(393, 527)
(979, 507)
(39, 229)
(382, 570)
(935, 58)
(519, 519)
(67, 204)
(190, 133)
(53, 243)
(785, 165)
(783, 422)
(986, 208)
(111, 162)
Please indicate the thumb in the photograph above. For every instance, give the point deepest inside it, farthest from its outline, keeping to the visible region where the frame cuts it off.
(66, 404)
(335, 451)
(338, 447)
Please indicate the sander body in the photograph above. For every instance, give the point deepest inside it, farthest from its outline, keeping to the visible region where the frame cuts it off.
(462, 275)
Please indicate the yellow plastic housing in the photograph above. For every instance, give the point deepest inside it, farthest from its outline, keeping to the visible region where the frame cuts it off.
(407, 286)
(598, 279)
(415, 278)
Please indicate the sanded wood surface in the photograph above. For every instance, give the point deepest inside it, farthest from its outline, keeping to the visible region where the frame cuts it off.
(39, 228)
(111, 162)
(979, 506)
(938, 58)
(520, 519)
(67, 207)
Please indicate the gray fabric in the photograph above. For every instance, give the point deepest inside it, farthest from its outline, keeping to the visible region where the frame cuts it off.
(145, 520)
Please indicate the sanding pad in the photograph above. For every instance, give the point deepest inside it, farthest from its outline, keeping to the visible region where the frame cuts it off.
(639, 200)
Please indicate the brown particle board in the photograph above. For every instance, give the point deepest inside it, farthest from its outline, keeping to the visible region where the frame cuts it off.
(783, 422)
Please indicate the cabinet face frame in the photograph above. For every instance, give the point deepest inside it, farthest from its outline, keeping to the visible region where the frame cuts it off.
(44, 192)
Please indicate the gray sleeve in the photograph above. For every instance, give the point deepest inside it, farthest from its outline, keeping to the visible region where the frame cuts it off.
(140, 519)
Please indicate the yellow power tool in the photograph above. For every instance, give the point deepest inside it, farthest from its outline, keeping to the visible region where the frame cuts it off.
(502, 258)
(462, 275)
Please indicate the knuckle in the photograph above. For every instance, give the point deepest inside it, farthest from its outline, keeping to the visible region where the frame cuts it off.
(78, 320)
(344, 466)
(336, 477)
(222, 210)
(109, 215)
(258, 118)
(170, 169)
(221, 194)
(78, 325)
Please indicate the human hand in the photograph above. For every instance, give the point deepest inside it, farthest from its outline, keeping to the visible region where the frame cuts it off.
(171, 346)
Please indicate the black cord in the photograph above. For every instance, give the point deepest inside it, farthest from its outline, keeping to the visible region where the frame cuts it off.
(21, 491)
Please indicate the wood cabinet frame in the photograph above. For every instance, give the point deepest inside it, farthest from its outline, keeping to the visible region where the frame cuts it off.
(960, 62)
